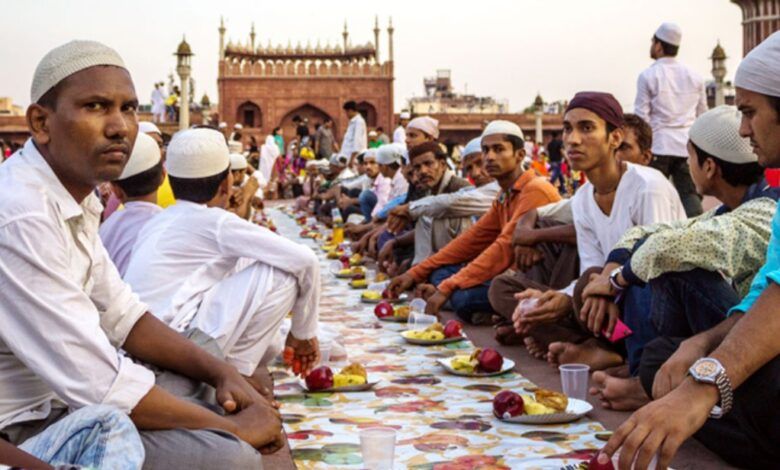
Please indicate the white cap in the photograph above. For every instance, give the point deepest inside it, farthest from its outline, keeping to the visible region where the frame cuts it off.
(146, 127)
(426, 124)
(669, 33)
(237, 126)
(369, 153)
(235, 146)
(145, 155)
(405, 115)
(474, 146)
(222, 125)
(339, 160)
(759, 71)
(390, 153)
(63, 61)
(197, 153)
(372, 133)
(717, 133)
(502, 127)
(237, 162)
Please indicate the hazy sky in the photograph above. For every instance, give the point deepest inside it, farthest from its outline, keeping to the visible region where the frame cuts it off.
(506, 49)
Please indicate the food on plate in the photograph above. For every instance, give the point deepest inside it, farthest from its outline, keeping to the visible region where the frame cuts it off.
(387, 294)
(383, 309)
(541, 403)
(358, 283)
(381, 277)
(334, 254)
(320, 378)
(353, 374)
(478, 361)
(453, 329)
(402, 312)
(507, 404)
(358, 272)
(345, 272)
(372, 295)
(356, 259)
(490, 360)
(355, 369)
(555, 400)
(434, 332)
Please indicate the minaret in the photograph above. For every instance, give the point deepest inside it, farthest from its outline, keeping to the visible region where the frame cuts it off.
(252, 36)
(345, 35)
(718, 59)
(390, 31)
(376, 38)
(183, 69)
(221, 38)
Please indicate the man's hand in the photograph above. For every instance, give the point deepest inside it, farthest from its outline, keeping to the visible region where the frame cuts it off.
(386, 255)
(600, 314)
(599, 285)
(373, 242)
(398, 219)
(234, 392)
(661, 426)
(260, 426)
(425, 291)
(401, 284)
(675, 369)
(526, 257)
(306, 353)
(552, 306)
(436, 302)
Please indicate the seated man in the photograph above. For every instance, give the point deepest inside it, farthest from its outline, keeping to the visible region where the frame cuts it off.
(63, 351)
(199, 266)
(617, 196)
(429, 162)
(462, 270)
(736, 364)
(362, 194)
(137, 189)
(327, 198)
(244, 187)
(699, 268)
(545, 243)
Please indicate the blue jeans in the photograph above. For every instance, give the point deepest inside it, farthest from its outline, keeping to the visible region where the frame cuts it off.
(96, 436)
(465, 302)
(367, 201)
(557, 175)
(635, 307)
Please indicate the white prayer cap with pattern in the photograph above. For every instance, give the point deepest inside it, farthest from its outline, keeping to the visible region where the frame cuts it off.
(197, 153)
(145, 155)
(759, 71)
(474, 146)
(146, 127)
(669, 33)
(237, 162)
(717, 133)
(426, 124)
(390, 153)
(502, 127)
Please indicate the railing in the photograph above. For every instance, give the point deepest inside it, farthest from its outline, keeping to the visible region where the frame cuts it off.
(304, 68)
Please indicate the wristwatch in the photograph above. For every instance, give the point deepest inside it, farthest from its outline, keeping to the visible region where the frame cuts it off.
(708, 370)
(613, 279)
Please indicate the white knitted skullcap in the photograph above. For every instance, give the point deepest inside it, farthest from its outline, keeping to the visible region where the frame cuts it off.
(717, 133)
(339, 160)
(502, 127)
(146, 127)
(669, 33)
(197, 153)
(237, 162)
(63, 61)
(390, 153)
(759, 71)
(222, 125)
(235, 146)
(405, 115)
(237, 126)
(369, 153)
(426, 124)
(145, 155)
(474, 146)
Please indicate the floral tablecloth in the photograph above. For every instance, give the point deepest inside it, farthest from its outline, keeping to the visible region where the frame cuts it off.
(443, 421)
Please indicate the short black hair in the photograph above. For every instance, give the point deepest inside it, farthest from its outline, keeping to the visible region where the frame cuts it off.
(143, 183)
(361, 157)
(350, 106)
(517, 142)
(379, 129)
(50, 98)
(670, 50)
(642, 130)
(197, 190)
(276, 129)
(774, 101)
(427, 147)
(735, 174)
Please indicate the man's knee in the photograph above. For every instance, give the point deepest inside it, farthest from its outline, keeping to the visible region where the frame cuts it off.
(198, 449)
(501, 294)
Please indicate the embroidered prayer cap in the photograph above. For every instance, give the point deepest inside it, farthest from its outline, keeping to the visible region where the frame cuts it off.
(237, 126)
(369, 153)
(390, 153)
(146, 127)
(67, 59)
(145, 155)
(339, 160)
(474, 146)
(222, 125)
(502, 127)
(426, 124)
(235, 146)
(669, 33)
(603, 104)
(405, 115)
(759, 71)
(197, 153)
(717, 133)
(237, 162)
(372, 133)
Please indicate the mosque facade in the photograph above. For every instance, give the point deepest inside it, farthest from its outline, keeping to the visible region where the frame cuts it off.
(760, 18)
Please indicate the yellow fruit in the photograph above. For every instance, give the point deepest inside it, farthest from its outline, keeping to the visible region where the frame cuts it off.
(463, 363)
(347, 380)
(433, 336)
(532, 407)
(345, 272)
(402, 312)
(359, 283)
(372, 295)
(436, 327)
(355, 369)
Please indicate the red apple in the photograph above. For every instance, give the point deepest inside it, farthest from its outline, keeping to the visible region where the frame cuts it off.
(383, 309)
(490, 360)
(594, 463)
(344, 259)
(360, 275)
(453, 329)
(508, 402)
(320, 378)
(386, 294)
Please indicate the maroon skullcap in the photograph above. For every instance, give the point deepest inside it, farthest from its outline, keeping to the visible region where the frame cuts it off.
(603, 104)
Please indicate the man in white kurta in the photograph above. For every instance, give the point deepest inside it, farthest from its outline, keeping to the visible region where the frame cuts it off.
(399, 134)
(158, 103)
(356, 136)
(198, 265)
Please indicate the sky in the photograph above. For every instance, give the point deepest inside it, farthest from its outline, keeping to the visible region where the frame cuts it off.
(510, 50)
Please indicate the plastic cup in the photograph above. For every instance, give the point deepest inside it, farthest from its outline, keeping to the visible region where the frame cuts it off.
(418, 305)
(527, 305)
(325, 348)
(420, 321)
(574, 380)
(377, 445)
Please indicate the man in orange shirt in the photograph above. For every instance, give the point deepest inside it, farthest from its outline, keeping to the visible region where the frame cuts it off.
(462, 271)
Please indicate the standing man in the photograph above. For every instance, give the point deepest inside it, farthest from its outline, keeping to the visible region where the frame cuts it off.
(555, 154)
(399, 134)
(324, 142)
(356, 137)
(158, 103)
(670, 96)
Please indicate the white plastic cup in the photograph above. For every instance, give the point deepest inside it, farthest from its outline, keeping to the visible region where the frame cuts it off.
(574, 380)
(420, 321)
(325, 348)
(418, 305)
(527, 305)
(377, 446)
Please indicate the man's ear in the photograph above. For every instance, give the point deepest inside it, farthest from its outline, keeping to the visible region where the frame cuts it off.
(38, 122)
(616, 138)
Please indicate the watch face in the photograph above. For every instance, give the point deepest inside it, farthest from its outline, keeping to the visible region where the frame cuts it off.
(706, 368)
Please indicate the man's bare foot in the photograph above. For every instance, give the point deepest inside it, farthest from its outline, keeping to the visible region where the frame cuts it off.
(616, 393)
(534, 348)
(506, 335)
(589, 352)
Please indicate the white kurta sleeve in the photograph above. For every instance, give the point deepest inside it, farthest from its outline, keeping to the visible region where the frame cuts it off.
(643, 97)
(360, 137)
(55, 329)
(466, 202)
(238, 238)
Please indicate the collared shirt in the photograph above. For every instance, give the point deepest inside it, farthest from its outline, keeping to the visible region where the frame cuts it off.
(381, 187)
(64, 310)
(733, 243)
(356, 138)
(669, 97)
(487, 245)
(188, 248)
(118, 232)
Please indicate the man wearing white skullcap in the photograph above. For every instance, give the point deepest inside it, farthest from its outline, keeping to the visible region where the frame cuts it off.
(164, 192)
(78, 311)
(462, 270)
(739, 354)
(399, 134)
(356, 137)
(235, 281)
(136, 188)
(669, 97)
(420, 130)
